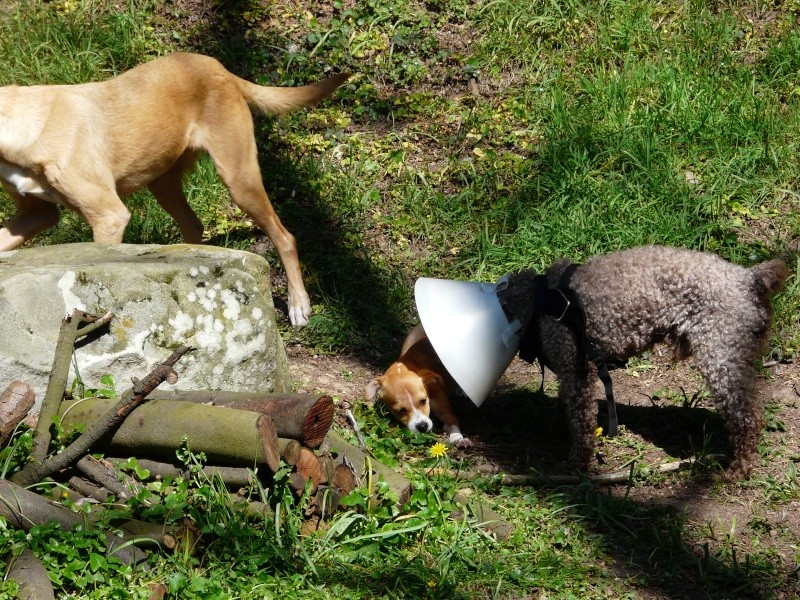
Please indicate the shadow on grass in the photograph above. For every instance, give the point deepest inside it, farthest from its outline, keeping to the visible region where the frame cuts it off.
(406, 579)
(521, 431)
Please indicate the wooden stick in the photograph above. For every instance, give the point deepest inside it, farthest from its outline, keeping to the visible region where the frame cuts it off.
(232, 477)
(36, 470)
(15, 402)
(108, 477)
(70, 331)
(615, 477)
(87, 489)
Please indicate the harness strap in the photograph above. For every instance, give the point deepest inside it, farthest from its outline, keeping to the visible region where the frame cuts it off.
(563, 304)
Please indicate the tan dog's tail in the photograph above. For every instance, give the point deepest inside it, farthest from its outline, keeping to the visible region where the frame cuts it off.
(769, 276)
(279, 100)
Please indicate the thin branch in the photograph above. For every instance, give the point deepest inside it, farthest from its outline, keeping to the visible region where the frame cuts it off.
(352, 421)
(38, 470)
(619, 476)
(69, 332)
(108, 477)
(94, 325)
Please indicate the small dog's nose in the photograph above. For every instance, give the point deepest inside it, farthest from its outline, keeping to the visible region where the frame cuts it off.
(423, 427)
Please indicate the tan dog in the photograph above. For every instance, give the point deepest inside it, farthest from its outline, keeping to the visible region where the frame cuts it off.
(86, 146)
(416, 385)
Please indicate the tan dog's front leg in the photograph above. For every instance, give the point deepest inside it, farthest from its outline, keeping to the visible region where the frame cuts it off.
(443, 410)
(33, 215)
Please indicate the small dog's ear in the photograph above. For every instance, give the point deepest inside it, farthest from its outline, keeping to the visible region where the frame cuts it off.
(430, 378)
(372, 389)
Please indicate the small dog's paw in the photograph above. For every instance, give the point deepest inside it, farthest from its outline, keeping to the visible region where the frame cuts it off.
(464, 443)
(460, 442)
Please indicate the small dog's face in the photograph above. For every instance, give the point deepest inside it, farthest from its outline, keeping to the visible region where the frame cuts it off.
(405, 394)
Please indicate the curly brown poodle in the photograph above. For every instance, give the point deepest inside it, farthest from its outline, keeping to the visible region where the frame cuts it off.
(702, 305)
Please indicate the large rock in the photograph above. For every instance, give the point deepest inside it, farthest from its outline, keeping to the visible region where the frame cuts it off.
(217, 300)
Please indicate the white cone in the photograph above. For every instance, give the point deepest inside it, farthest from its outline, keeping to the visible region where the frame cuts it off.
(469, 331)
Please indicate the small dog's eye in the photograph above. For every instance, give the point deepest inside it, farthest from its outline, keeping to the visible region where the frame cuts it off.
(423, 401)
(401, 412)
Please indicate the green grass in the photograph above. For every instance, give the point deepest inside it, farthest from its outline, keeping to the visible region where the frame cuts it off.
(475, 138)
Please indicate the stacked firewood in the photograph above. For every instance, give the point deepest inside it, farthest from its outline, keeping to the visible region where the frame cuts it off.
(242, 435)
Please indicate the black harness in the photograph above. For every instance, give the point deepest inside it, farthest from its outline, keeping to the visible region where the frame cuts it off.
(563, 304)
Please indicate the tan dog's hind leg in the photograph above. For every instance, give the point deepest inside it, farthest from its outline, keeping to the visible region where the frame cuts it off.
(233, 150)
(168, 190)
(33, 215)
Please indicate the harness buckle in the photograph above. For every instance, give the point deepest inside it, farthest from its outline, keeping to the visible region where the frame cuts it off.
(566, 307)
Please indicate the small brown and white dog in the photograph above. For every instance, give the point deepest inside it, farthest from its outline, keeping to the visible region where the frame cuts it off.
(417, 384)
(87, 146)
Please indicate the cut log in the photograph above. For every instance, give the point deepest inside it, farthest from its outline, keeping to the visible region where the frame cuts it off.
(23, 509)
(310, 467)
(227, 436)
(269, 442)
(291, 452)
(29, 572)
(343, 479)
(15, 402)
(232, 477)
(302, 417)
(341, 449)
(297, 483)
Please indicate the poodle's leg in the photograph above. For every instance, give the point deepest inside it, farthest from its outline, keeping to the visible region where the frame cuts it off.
(575, 392)
(731, 383)
(574, 389)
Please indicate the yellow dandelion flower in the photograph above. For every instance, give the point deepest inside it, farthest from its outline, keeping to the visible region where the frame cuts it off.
(438, 450)
(432, 583)
(598, 432)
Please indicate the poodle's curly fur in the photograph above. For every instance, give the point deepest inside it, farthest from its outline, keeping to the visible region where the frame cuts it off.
(699, 303)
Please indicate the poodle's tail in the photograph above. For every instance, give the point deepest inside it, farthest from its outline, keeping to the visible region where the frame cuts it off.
(769, 276)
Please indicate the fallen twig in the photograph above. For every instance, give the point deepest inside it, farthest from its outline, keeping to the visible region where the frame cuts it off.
(352, 421)
(71, 330)
(232, 477)
(37, 469)
(620, 476)
(107, 476)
